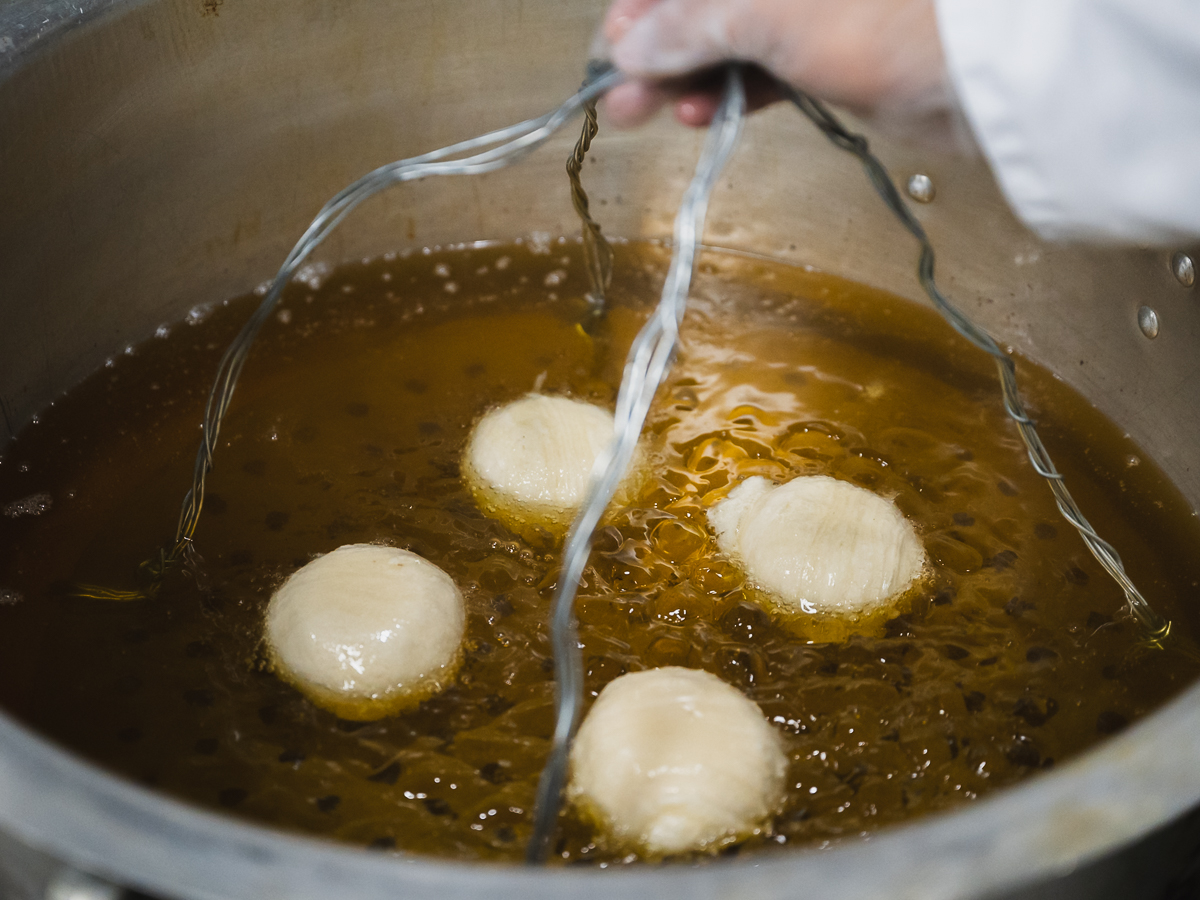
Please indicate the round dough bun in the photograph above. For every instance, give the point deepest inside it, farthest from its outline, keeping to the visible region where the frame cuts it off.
(529, 462)
(365, 631)
(819, 545)
(674, 760)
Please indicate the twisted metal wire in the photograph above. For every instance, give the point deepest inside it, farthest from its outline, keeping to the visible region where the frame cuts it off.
(1156, 628)
(597, 254)
(646, 365)
(491, 151)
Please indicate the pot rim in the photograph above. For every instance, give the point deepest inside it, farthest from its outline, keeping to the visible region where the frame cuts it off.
(59, 803)
(1127, 786)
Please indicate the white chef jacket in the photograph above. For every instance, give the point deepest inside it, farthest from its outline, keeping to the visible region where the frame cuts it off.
(1087, 110)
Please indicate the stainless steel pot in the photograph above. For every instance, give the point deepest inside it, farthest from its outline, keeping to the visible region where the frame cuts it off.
(157, 154)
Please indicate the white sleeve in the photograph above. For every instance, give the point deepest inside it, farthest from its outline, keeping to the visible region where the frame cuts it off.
(1088, 110)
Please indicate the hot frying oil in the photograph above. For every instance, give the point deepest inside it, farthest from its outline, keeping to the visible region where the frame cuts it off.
(347, 427)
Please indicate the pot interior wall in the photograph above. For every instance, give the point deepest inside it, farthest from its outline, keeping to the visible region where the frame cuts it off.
(162, 155)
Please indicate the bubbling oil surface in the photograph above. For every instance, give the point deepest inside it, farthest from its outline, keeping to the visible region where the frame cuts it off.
(348, 426)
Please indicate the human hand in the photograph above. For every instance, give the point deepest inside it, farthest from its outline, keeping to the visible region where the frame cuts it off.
(880, 58)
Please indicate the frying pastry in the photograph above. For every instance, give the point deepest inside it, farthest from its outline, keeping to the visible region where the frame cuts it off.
(673, 760)
(819, 545)
(365, 631)
(529, 461)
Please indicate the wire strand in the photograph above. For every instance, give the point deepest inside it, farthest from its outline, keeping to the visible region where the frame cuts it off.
(646, 365)
(597, 253)
(1155, 627)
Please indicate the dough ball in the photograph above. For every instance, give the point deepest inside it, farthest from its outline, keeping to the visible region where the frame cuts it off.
(529, 461)
(673, 760)
(365, 631)
(818, 544)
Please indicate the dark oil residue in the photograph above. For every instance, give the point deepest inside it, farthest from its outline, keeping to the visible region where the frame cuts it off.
(348, 425)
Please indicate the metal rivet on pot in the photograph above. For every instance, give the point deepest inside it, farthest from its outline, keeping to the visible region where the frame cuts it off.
(1148, 322)
(1184, 268)
(920, 188)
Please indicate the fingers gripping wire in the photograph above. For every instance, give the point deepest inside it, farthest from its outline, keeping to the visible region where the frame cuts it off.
(646, 365)
(1155, 627)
